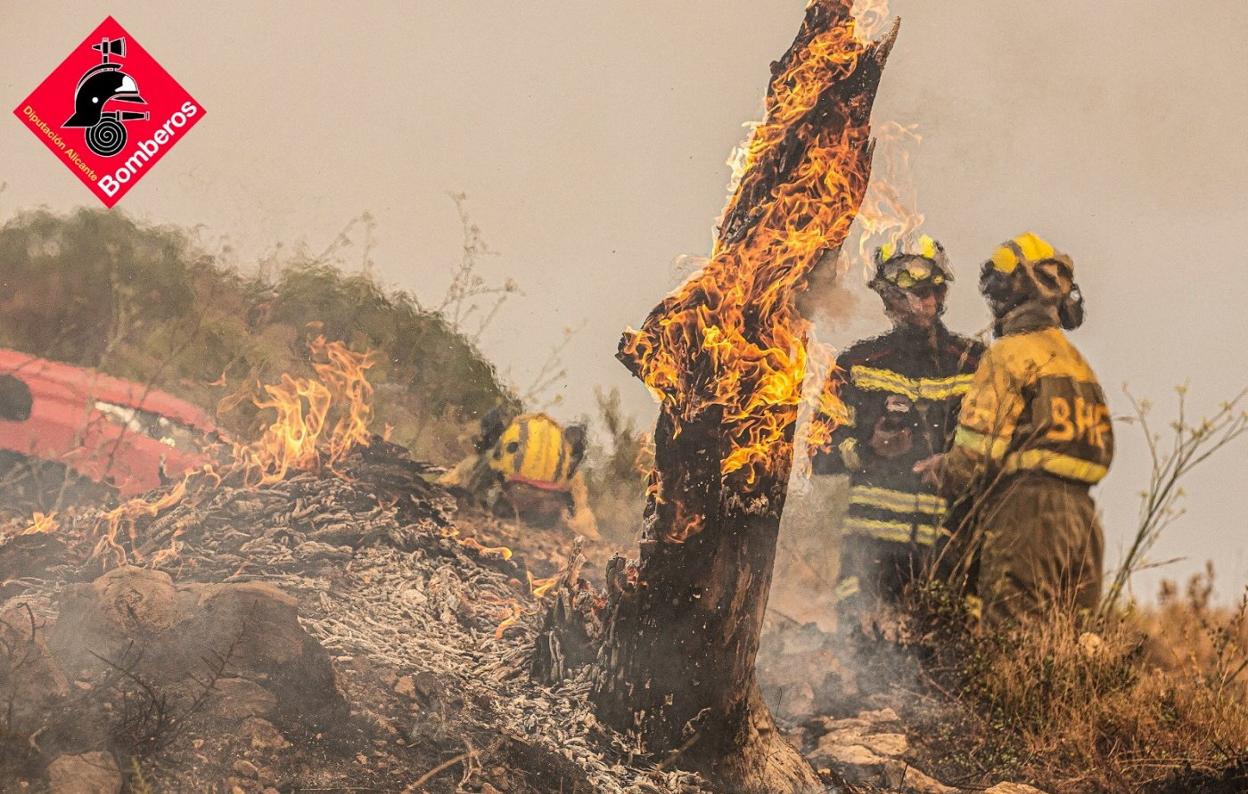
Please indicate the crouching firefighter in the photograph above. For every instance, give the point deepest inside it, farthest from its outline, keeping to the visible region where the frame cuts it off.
(528, 468)
(902, 392)
(1033, 437)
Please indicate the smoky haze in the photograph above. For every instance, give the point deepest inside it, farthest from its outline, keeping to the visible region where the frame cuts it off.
(591, 139)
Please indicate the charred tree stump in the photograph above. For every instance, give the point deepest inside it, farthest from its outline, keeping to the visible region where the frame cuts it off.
(683, 627)
(726, 355)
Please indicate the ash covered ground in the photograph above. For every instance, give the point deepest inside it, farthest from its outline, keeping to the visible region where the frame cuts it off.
(329, 632)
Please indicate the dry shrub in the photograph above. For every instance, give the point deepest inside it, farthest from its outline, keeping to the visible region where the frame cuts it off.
(1075, 710)
(148, 303)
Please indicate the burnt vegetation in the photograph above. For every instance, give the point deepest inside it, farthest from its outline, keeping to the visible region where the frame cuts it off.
(340, 622)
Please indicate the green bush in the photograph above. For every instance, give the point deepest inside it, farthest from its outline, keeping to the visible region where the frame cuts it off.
(101, 290)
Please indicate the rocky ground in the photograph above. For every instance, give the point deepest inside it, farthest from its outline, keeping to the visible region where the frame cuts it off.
(338, 632)
(331, 632)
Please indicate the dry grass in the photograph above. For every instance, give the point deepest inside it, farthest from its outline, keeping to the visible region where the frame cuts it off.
(1154, 700)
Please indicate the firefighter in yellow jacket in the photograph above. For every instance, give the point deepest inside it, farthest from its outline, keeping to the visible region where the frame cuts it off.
(1033, 436)
(529, 468)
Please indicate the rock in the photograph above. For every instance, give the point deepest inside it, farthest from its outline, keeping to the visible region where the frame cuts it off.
(879, 716)
(125, 602)
(1013, 788)
(263, 735)
(854, 755)
(238, 698)
(31, 680)
(887, 744)
(864, 756)
(915, 781)
(864, 722)
(88, 773)
(404, 686)
(430, 691)
(250, 629)
(246, 768)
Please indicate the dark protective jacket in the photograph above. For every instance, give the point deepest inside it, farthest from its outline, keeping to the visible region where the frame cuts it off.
(1034, 434)
(909, 382)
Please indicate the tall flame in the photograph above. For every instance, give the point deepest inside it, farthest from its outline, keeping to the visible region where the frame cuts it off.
(730, 336)
(301, 435)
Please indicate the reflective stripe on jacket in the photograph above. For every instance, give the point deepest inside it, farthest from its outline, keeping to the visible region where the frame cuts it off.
(925, 374)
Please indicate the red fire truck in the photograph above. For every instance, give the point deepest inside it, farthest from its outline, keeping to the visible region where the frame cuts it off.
(111, 431)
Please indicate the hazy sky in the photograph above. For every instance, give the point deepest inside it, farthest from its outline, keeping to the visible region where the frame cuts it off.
(591, 139)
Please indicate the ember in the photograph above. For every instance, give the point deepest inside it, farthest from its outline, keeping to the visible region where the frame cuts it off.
(40, 523)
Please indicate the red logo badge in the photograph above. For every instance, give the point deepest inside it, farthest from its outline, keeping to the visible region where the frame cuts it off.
(109, 112)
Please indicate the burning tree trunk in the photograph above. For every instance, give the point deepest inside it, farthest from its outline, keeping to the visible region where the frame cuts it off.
(726, 355)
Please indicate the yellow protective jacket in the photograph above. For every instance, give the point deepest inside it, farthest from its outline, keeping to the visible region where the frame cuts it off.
(1034, 405)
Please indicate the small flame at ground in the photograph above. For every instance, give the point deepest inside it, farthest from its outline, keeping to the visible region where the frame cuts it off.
(452, 533)
(41, 523)
(538, 588)
(512, 619)
(317, 422)
(125, 518)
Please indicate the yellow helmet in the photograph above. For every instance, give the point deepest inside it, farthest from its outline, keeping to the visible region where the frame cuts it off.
(1028, 268)
(907, 266)
(1028, 249)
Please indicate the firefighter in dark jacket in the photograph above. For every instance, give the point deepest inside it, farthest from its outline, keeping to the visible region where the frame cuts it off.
(1033, 437)
(902, 391)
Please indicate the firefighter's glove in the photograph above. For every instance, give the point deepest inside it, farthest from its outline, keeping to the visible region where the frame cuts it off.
(929, 469)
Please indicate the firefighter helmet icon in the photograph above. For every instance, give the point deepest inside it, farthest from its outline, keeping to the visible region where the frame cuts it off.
(100, 85)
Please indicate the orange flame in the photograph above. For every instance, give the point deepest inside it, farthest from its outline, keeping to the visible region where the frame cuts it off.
(301, 436)
(538, 588)
(41, 523)
(512, 619)
(318, 421)
(730, 337)
(125, 517)
(472, 543)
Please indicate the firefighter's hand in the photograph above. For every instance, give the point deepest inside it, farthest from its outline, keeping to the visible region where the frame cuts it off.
(889, 440)
(928, 469)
